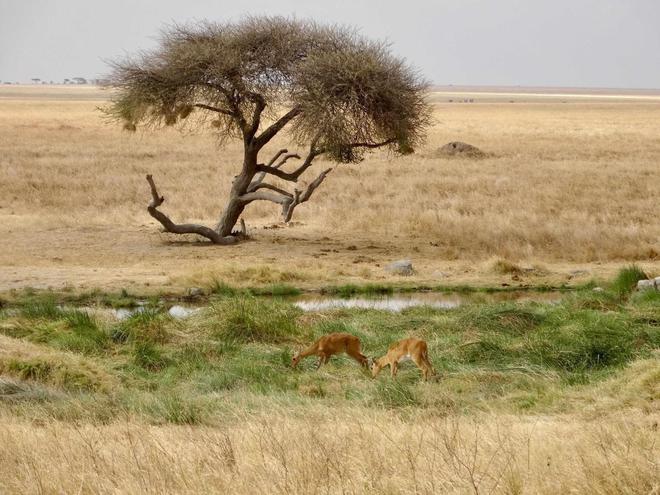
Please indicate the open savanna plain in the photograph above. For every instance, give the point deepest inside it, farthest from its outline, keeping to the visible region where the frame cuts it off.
(571, 183)
(528, 397)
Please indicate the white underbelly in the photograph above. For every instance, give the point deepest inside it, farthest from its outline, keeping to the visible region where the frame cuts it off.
(405, 357)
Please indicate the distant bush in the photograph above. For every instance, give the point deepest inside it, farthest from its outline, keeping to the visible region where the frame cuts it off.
(627, 279)
(148, 325)
(250, 319)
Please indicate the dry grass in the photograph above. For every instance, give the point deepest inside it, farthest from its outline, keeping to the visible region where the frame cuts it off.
(355, 451)
(568, 183)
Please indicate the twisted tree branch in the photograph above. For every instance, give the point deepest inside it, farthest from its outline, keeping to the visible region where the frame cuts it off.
(213, 109)
(272, 188)
(302, 196)
(265, 196)
(184, 228)
(254, 185)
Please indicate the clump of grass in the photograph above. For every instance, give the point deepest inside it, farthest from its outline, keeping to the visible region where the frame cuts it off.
(250, 319)
(627, 279)
(600, 301)
(148, 356)
(392, 394)
(276, 290)
(501, 318)
(40, 307)
(85, 336)
(46, 371)
(502, 266)
(587, 341)
(182, 412)
(149, 325)
(348, 290)
(220, 288)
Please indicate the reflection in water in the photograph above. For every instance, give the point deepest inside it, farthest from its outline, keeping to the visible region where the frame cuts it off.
(400, 302)
(395, 304)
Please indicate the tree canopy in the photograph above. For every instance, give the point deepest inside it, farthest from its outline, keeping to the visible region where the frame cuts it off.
(334, 91)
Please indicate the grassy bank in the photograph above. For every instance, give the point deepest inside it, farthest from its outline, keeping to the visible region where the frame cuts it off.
(529, 398)
(235, 355)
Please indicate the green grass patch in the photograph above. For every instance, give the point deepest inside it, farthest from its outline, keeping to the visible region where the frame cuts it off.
(626, 280)
(250, 319)
(235, 355)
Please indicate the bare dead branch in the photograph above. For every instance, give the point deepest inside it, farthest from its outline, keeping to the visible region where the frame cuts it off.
(265, 196)
(277, 155)
(291, 176)
(300, 197)
(184, 228)
(272, 188)
(286, 158)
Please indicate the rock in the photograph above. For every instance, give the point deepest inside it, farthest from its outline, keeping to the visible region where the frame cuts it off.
(180, 312)
(598, 289)
(195, 292)
(646, 284)
(401, 267)
(458, 148)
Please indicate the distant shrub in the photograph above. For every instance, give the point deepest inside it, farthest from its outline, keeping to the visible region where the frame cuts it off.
(627, 279)
(148, 325)
(250, 319)
(45, 308)
(586, 342)
(500, 318)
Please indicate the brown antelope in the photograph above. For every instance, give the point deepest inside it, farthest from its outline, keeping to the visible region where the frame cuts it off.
(328, 345)
(404, 350)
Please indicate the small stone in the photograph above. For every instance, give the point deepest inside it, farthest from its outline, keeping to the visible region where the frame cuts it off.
(598, 289)
(195, 292)
(401, 267)
(180, 312)
(646, 284)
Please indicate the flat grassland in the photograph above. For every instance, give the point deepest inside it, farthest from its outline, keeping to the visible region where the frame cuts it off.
(529, 397)
(571, 183)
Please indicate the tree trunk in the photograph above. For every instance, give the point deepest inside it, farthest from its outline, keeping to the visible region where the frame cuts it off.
(230, 215)
(239, 186)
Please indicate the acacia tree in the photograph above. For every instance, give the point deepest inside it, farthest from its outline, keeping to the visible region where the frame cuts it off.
(333, 92)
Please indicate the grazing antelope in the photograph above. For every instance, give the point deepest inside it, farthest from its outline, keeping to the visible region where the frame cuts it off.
(404, 350)
(333, 343)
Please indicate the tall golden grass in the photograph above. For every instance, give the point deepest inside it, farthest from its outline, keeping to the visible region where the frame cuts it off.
(572, 182)
(348, 451)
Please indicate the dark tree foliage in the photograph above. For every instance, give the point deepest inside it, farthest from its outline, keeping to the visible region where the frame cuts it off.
(336, 93)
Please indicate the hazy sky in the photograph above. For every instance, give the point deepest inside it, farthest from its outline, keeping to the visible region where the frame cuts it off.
(595, 43)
